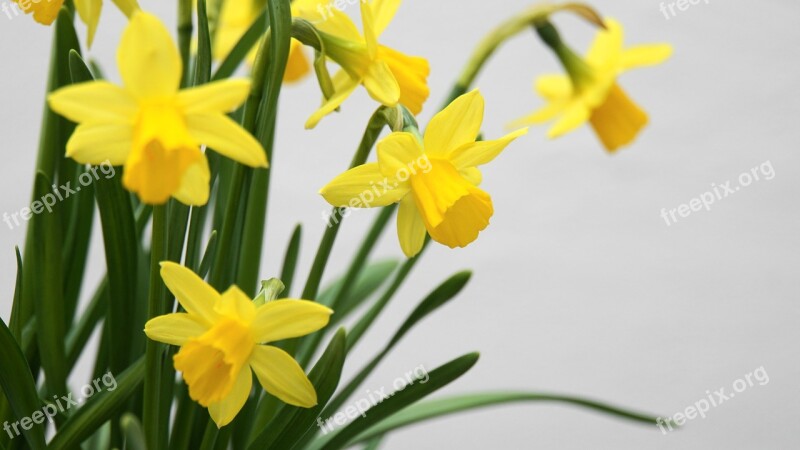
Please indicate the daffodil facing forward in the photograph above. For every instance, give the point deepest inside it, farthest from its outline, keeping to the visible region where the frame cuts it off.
(151, 126)
(590, 92)
(46, 11)
(435, 181)
(222, 339)
(389, 76)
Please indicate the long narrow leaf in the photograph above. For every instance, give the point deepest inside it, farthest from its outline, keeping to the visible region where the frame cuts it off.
(19, 386)
(431, 409)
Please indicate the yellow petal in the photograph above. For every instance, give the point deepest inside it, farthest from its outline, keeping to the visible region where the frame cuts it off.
(645, 55)
(364, 186)
(554, 87)
(298, 66)
(411, 73)
(100, 143)
(227, 138)
(410, 227)
(456, 125)
(195, 187)
(128, 7)
(453, 209)
(400, 155)
(224, 411)
(290, 318)
(343, 91)
(331, 21)
(89, 12)
(545, 114)
(618, 121)
(44, 12)
(221, 96)
(574, 116)
(174, 329)
(370, 33)
(606, 49)
(479, 153)
(472, 175)
(381, 84)
(383, 11)
(281, 376)
(195, 295)
(235, 303)
(94, 101)
(148, 60)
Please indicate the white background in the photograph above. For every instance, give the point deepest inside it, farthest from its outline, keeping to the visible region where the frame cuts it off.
(580, 287)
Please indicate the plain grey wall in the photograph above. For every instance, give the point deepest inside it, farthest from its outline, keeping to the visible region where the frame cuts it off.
(579, 286)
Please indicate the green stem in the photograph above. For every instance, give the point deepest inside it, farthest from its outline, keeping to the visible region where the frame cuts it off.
(185, 29)
(153, 425)
(507, 30)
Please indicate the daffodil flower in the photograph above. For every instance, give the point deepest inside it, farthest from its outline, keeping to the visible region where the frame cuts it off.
(435, 181)
(222, 339)
(389, 76)
(591, 92)
(236, 18)
(151, 126)
(46, 11)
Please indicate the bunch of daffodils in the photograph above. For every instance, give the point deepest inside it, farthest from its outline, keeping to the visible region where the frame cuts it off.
(206, 350)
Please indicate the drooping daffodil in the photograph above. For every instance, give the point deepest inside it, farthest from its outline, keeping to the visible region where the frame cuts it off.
(151, 126)
(389, 76)
(222, 341)
(434, 180)
(590, 92)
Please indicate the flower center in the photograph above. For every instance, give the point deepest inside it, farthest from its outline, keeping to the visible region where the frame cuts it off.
(211, 362)
(454, 210)
(162, 152)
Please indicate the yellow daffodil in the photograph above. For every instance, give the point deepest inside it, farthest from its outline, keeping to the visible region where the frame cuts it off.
(389, 76)
(222, 338)
(151, 126)
(46, 11)
(435, 181)
(591, 93)
(236, 18)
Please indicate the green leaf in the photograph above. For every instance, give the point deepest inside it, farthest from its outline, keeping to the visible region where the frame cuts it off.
(99, 409)
(47, 291)
(293, 423)
(441, 295)
(431, 409)
(437, 379)
(19, 386)
(202, 66)
(208, 256)
(79, 334)
(15, 321)
(290, 259)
